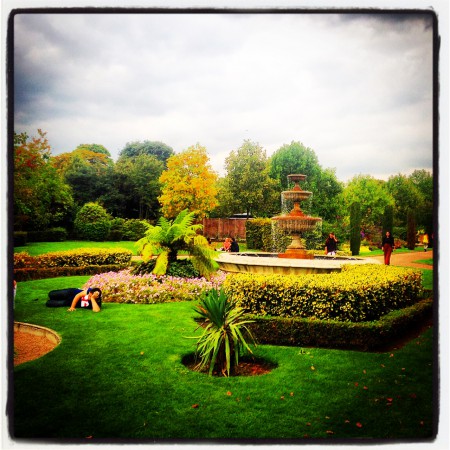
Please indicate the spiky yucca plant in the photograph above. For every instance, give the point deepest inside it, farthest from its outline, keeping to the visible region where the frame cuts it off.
(222, 340)
(168, 237)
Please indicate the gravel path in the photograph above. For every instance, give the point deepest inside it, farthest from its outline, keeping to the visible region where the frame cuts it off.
(408, 259)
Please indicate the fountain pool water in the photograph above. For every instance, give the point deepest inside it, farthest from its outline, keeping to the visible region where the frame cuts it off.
(296, 260)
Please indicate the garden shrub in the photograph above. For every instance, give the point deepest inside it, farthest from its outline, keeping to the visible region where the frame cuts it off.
(371, 335)
(124, 287)
(116, 230)
(134, 229)
(358, 293)
(92, 222)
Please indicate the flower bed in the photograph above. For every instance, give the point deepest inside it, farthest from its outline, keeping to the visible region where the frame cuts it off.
(124, 287)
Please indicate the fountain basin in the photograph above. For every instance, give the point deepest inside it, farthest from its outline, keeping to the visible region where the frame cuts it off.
(269, 263)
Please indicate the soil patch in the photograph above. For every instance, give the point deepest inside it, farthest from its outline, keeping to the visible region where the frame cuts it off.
(32, 342)
(248, 366)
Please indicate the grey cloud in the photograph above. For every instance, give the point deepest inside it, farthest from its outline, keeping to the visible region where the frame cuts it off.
(328, 82)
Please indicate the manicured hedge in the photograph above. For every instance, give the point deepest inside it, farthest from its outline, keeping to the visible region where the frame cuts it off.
(38, 273)
(74, 258)
(370, 335)
(358, 293)
(74, 262)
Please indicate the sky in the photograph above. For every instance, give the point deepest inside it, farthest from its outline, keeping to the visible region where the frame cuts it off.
(355, 88)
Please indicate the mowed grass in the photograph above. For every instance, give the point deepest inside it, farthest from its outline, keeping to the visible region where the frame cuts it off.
(118, 374)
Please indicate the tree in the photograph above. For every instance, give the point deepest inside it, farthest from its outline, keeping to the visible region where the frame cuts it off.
(247, 186)
(188, 183)
(411, 234)
(168, 237)
(355, 228)
(371, 194)
(85, 169)
(406, 196)
(135, 187)
(388, 220)
(41, 198)
(423, 180)
(296, 158)
(157, 149)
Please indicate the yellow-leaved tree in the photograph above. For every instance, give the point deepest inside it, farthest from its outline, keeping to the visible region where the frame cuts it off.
(189, 182)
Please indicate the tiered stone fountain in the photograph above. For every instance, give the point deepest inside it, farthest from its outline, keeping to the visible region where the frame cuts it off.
(296, 260)
(296, 222)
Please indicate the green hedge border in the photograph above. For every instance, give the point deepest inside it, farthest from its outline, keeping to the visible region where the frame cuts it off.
(35, 273)
(334, 334)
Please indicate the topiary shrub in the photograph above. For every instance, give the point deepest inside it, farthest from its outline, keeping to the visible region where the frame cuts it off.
(92, 222)
(355, 228)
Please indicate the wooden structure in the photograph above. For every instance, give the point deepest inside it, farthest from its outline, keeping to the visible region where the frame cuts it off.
(219, 229)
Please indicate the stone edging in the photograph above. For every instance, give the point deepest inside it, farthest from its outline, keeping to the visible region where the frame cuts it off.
(37, 330)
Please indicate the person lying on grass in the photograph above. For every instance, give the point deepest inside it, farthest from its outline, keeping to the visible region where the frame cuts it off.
(76, 298)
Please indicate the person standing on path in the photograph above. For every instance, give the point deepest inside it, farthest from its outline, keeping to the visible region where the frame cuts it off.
(331, 245)
(388, 247)
(425, 242)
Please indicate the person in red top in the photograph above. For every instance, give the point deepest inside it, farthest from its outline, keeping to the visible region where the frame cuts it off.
(90, 298)
(388, 247)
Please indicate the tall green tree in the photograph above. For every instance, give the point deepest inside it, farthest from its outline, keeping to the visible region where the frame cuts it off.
(134, 187)
(407, 196)
(85, 169)
(41, 197)
(371, 194)
(323, 183)
(247, 186)
(411, 233)
(159, 150)
(424, 182)
(388, 220)
(355, 228)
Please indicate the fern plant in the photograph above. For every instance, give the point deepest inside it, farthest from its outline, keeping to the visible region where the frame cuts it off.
(168, 237)
(222, 340)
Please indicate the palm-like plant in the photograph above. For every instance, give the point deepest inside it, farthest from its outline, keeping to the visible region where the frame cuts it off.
(168, 237)
(222, 340)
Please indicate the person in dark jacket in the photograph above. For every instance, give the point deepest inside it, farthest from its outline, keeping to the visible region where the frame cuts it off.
(90, 298)
(234, 246)
(388, 247)
(331, 245)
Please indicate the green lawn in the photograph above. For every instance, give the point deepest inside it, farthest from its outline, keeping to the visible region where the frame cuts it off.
(118, 374)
